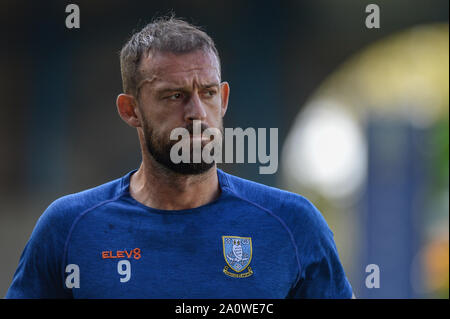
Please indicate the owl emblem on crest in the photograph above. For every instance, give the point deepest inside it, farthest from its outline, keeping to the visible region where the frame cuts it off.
(238, 254)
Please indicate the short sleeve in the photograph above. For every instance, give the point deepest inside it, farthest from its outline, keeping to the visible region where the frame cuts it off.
(39, 273)
(322, 274)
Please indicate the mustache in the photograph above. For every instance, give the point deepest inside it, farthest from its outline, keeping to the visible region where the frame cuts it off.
(190, 127)
(201, 129)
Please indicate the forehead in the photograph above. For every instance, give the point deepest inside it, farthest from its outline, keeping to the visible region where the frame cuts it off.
(161, 68)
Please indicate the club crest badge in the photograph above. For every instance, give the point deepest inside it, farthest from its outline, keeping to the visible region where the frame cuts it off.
(238, 255)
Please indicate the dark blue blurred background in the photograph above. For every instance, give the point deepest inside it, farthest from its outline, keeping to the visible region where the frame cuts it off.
(60, 132)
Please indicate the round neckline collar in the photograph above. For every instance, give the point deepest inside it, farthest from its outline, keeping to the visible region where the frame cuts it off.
(223, 185)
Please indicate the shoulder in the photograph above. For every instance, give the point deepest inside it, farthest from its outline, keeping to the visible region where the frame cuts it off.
(295, 210)
(62, 212)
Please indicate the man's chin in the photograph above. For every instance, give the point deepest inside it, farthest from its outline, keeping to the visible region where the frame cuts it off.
(162, 157)
(189, 168)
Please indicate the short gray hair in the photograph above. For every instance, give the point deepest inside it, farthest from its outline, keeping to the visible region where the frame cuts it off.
(164, 34)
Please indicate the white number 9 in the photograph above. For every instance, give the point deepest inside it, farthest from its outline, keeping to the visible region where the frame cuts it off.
(124, 272)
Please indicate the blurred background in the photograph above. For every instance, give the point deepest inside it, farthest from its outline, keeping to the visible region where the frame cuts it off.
(362, 116)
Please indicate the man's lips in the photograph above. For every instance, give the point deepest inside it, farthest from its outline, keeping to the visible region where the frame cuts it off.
(199, 137)
(192, 138)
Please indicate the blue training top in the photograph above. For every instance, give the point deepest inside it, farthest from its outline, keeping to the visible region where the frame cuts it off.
(254, 241)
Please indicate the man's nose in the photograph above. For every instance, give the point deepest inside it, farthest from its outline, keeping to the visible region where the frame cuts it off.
(195, 109)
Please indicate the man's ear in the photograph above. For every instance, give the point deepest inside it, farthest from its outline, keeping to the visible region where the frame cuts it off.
(224, 94)
(127, 108)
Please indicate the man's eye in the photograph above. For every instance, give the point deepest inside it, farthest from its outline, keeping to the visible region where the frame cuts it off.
(175, 96)
(211, 93)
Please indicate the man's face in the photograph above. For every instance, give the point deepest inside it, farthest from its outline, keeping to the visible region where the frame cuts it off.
(174, 91)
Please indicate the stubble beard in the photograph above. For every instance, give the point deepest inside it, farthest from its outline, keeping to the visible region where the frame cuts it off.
(159, 149)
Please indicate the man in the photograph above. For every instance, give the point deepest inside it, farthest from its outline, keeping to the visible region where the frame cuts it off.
(178, 230)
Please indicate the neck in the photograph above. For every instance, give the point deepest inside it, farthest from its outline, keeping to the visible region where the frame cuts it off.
(159, 188)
